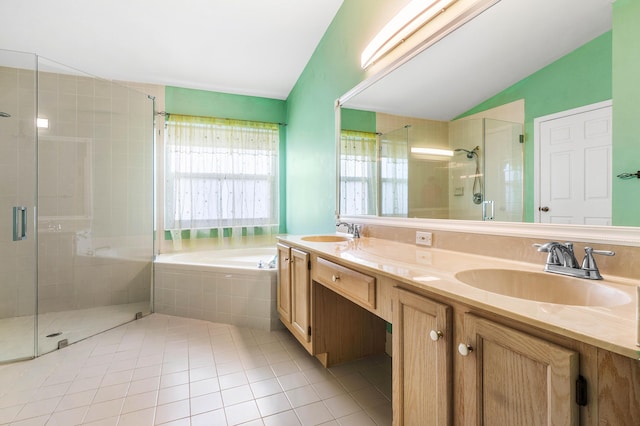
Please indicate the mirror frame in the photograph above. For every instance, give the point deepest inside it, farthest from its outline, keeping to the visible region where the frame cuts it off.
(616, 235)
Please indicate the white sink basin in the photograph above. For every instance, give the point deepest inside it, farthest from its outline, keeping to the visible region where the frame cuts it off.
(325, 238)
(544, 287)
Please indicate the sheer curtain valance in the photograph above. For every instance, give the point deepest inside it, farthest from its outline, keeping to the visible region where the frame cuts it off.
(220, 173)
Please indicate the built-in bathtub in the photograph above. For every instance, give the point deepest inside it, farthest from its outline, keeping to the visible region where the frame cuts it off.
(226, 286)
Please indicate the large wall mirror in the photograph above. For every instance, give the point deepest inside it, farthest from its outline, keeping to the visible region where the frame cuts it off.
(453, 132)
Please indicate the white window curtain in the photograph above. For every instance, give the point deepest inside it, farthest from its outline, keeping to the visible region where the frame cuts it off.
(221, 174)
(394, 170)
(358, 173)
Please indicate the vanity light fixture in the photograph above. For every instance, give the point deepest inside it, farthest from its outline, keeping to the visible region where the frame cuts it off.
(416, 15)
(432, 151)
(42, 123)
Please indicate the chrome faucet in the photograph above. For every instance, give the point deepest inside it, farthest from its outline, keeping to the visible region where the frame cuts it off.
(352, 228)
(562, 260)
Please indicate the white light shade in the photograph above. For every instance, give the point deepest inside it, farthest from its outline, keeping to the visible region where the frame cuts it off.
(432, 151)
(409, 20)
(42, 123)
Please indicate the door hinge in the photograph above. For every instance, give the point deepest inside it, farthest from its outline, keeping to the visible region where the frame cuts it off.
(521, 138)
(581, 391)
(309, 331)
(309, 265)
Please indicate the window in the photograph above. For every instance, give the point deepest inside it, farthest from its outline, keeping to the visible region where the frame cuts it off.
(220, 173)
(394, 173)
(358, 173)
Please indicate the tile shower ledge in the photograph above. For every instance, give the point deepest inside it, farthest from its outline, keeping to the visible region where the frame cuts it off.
(433, 270)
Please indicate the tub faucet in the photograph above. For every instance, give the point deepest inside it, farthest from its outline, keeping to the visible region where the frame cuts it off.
(562, 260)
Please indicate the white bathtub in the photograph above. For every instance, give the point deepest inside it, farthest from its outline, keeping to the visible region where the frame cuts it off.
(245, 259)
(219, 285)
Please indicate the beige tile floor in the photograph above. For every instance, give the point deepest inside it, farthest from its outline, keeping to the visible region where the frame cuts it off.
(16, 333)
(177, 371)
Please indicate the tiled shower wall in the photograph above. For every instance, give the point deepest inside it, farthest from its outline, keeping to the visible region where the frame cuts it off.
(95, 192)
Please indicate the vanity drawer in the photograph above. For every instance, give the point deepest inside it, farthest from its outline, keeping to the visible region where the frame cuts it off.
(353, 285)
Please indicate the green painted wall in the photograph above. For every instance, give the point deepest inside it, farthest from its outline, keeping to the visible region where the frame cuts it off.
(333, 69)
(357, 120)
(580, 78)
(626, 111)
(223, 105)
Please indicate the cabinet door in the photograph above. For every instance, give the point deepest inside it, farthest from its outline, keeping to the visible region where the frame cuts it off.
(512, 378)
(283, 295)
(301, 294)
(421, 361)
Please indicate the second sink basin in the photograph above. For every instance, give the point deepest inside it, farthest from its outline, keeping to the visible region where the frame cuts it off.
(544, 287)
(325, 238)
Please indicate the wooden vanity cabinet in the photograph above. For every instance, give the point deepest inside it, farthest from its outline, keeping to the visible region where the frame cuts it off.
(422, 361)
(499, 375)
(326, 322)
(294, 292)
(452, 364)
(513, 378)
(283, 289)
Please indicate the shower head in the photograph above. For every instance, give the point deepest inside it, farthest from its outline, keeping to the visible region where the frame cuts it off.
(470, 154)
(4, 114)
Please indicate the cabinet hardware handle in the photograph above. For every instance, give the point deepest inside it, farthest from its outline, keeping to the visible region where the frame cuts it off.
(435, 335)
(464, 349)
(335, 278)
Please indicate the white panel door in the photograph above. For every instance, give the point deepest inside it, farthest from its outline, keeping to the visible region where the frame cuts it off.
(575, 168)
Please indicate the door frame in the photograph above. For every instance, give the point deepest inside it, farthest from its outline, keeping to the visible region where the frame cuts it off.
(537, 136)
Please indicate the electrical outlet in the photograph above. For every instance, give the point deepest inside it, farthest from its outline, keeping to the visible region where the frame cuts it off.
(423, 238)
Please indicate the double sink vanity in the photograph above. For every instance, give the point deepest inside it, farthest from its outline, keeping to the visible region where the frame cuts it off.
(476, 340)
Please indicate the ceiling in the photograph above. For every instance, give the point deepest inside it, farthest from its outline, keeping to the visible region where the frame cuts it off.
(502, 46)
(251, 47)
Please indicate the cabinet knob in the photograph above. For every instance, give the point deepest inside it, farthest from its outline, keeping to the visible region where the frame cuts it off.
(335, 278)
(464, 349)
(435, 335)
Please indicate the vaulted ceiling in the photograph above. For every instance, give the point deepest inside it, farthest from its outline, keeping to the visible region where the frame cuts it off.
(253, 47)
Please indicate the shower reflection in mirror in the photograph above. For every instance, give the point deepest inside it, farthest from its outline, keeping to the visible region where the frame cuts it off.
(434, 170)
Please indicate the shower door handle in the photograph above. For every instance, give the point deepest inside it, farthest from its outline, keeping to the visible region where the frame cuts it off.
(19, 223)
(485, 214)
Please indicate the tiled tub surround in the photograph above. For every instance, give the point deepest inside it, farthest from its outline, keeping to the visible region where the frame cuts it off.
(433, 270)
(223, 286)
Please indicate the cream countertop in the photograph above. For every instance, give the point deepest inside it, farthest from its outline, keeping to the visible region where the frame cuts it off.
(433, 270)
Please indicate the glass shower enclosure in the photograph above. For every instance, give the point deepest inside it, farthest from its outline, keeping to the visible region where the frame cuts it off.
(76, 205)
(464, 169)
(486, 173)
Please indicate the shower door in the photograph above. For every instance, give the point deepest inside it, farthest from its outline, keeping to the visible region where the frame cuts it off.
(95, 205)
(17, 205)
(503, 171)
